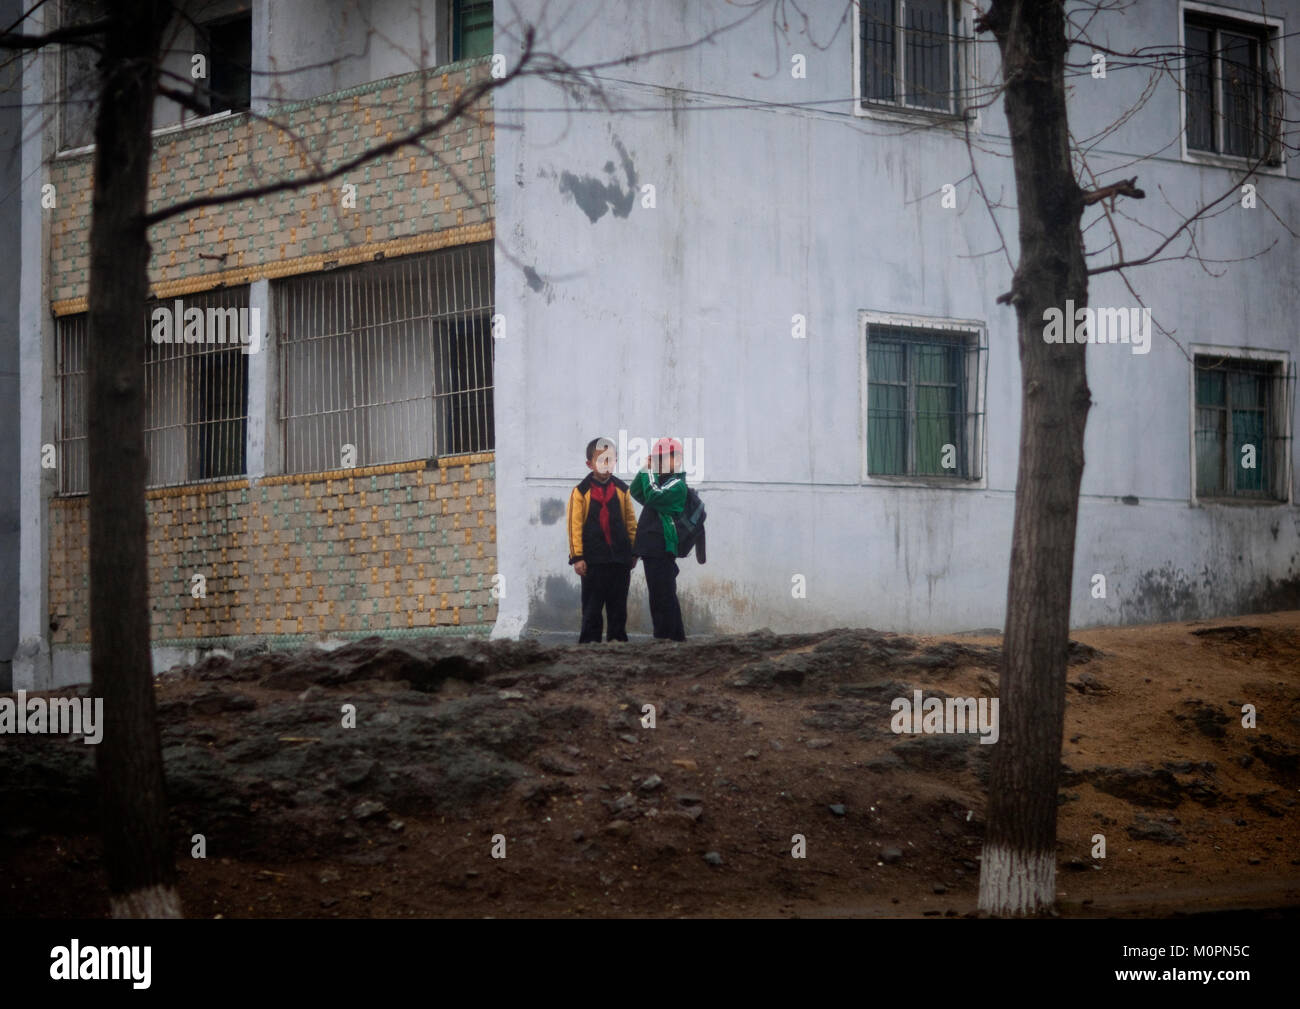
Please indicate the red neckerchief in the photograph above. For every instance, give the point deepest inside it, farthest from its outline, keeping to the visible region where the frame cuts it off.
(603, 494)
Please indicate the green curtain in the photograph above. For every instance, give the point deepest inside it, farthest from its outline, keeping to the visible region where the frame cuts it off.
(472, 29)
(887, 409)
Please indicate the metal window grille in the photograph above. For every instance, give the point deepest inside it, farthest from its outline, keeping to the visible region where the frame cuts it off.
(392, 360)
(923, 402)
(1229, 89)
(910, 53)
(196, 396)
(1243, 437)
(71, 345)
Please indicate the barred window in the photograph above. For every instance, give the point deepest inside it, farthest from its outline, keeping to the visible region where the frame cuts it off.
(923, 402)
(910, 54)
(196, 393)
(387, 362)
(1229, 88)
(70, 369)
(1242, 433)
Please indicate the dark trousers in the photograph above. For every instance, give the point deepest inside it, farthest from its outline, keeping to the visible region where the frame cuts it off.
(661, 583)
(604, 587)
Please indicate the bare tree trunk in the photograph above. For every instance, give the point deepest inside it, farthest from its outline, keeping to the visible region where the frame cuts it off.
(133, 802)
(1019, 862)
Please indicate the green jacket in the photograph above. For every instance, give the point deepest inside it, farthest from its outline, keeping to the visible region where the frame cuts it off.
(665, 499)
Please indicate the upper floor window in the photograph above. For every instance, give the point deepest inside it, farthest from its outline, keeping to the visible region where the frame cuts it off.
(78, 77)
(1229, 87)
(471, 29)
(224, 43)
(910, 54)
(228, 47)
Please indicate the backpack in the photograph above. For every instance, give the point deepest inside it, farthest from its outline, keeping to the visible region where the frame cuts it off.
(690, 526)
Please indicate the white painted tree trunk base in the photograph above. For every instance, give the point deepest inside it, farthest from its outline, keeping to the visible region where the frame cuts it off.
(1015, 883)
(150, 902)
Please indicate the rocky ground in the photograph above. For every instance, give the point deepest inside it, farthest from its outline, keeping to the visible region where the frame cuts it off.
(463, 746)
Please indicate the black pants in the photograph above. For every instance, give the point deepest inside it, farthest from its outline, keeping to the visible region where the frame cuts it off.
(604, 587)
(661, 583)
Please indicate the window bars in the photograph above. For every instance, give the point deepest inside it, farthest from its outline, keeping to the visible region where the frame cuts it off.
(196, 393)
(910, 54)
(924, 410)
(387, 362)
(1230, 92)
(70, 365)
(1243, 427)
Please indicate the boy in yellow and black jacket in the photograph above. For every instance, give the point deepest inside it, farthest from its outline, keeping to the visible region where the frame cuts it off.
(602, 527)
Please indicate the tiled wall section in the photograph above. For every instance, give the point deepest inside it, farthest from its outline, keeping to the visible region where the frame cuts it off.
(385, 549)
(412, 192)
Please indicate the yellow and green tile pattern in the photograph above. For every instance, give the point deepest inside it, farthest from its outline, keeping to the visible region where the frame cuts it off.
(384, 549)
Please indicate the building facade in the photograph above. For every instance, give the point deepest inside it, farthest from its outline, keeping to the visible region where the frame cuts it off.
(318, 360)
(774, 248)
(11, 119)
(781, 243)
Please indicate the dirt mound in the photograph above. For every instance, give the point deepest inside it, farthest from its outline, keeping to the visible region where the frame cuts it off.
(663, 778)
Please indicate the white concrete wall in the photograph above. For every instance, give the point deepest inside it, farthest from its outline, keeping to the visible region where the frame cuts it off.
(11, 193)
(318, 46)
(676, 320)
(31, 661)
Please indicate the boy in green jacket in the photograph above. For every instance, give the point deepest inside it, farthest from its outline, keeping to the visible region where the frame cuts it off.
(661, 488)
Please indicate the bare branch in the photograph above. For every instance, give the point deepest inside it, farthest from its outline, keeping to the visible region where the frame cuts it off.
(454, 111)
(1184, 226)
(1125, 187)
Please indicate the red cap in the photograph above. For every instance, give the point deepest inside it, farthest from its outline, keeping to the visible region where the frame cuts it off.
(666, 446)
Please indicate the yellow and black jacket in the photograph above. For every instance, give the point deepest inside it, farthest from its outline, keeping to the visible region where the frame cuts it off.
(602, 524)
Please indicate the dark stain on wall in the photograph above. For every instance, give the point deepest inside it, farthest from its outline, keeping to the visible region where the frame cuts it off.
(697, 618)
(557, 606)
(1283, 594)
(595, 197)
(551, 511)
(1160, 595)
(535, 282)
(1166, 594)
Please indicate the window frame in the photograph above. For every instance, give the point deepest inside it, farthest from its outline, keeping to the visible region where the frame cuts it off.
(1267, 30)
(447, 297)
(203, 43)
(190, 437)
(973, 333)
(964, 72)
(1282, 411)
(158, 131)
(455, 40)
(62, 75)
